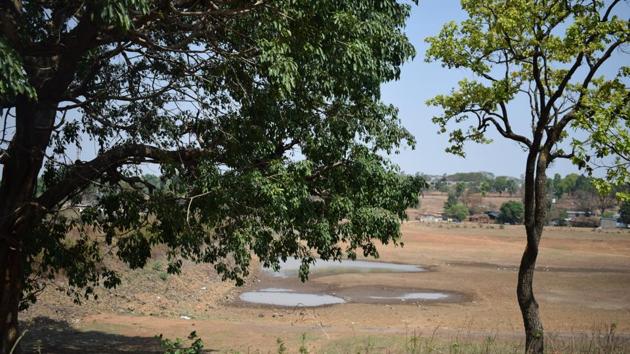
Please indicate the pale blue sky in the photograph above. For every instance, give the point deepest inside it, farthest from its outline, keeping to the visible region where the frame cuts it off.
(421, 81)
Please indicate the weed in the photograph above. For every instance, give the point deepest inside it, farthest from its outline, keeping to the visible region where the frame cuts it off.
(282, 348)
(177, 346)
(303, 349)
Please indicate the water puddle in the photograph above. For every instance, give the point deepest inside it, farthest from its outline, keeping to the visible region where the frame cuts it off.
(284, 289)
(276, 290)
(414, 296)
(291, 267)
(292, 299)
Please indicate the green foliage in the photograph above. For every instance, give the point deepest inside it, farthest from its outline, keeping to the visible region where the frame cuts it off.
(478, 182)
(459, 189)
(264, 119)
(441, 184)
(457, 211)
(532, 50)
(471, 177)
(511, 212)
(451, 200)
(177, 346)
(13, 77)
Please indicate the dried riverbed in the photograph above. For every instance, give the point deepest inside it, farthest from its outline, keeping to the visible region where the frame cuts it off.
(283, 288)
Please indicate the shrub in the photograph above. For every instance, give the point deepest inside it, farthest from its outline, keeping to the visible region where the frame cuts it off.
(177, 346)
(457, 211)
(511, 212)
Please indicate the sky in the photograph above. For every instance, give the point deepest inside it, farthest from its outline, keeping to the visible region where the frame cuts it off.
(420, 81)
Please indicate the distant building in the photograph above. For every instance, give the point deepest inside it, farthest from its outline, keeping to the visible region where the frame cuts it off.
(479, 218)
(492, 214)
(429, 217)
(572, 214)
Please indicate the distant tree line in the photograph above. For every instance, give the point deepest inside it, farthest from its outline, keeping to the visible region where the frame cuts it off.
(466, 190)
(477, 182)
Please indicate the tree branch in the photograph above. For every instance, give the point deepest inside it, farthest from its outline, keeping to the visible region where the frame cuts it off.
(81, 174)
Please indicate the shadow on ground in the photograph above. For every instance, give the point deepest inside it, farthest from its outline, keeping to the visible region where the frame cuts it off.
(46, 335)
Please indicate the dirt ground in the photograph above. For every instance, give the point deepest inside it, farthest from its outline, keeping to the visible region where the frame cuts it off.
(582, 284)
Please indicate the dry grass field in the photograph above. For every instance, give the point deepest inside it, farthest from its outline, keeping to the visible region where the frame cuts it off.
(582, 284)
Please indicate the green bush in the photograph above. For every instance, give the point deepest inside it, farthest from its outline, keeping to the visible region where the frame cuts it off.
(177, 346)
(511, 212)
(457, 211)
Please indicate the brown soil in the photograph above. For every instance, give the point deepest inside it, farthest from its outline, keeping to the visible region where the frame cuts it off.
(583, 282)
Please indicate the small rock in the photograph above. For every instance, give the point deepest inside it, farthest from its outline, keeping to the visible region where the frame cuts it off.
(204, 288)
(184, 317)
(261, 315)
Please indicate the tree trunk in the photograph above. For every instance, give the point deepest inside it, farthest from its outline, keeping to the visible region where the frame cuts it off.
(10, 291)
(534, 334)
(535, 210)
(34, 123)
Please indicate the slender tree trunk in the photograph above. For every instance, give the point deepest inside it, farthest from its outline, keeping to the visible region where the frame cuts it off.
(34, 122)
(535, 209)
(534, 334)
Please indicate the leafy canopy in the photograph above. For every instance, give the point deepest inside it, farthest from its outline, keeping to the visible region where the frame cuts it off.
(550, 54)
(263, 117)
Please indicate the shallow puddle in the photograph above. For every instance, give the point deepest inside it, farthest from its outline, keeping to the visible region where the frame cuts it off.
(414, 296)
(280, 298)
(291, 267)
(283, 288)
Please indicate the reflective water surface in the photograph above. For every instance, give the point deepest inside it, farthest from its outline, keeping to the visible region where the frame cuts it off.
(279, 298)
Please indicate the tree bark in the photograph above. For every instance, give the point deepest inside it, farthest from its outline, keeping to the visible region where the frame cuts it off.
(534, 334)
(10, 291)
(34, 123)
(535, 209)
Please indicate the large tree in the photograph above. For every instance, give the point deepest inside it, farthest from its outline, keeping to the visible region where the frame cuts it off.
(263, 116)
(549, 53)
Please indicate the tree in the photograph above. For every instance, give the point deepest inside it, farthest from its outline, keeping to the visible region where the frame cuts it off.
(605, 201)
(511, 187)
(511, 212)
(557, 187)
(624, 212)
(460, 188)
(441, 184)
(550, 53)
(484, 187)
(570, 182)
(264, 118)
(451, 200)
(457, 211)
